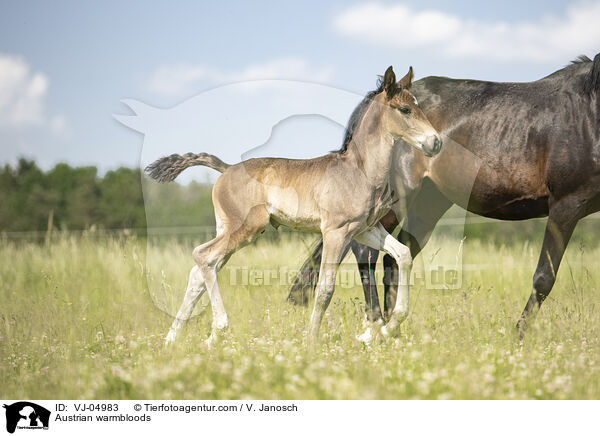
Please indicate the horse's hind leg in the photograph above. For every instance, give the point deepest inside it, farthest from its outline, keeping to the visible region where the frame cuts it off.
(210, 258)
(195, 290)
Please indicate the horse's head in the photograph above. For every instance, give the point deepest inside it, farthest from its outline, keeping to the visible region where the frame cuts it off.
(405, 120)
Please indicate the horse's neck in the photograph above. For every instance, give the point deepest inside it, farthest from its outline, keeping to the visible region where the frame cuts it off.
(372, 147)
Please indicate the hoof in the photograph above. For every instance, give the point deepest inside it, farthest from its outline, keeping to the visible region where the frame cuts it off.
(210, 342)
(374, 332)
(521, 327)
(170, 338)
(392, 328)
(215, 337)
(366, 338)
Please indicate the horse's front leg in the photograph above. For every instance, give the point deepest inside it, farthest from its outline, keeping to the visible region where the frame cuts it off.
(378, 238)
(334, 244)
(562, 219)
(366, 257)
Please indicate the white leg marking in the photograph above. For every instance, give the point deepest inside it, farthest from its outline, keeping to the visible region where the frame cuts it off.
(379, 239)
(220, 322)
(195, 289)
(220, 226)
(373, 332)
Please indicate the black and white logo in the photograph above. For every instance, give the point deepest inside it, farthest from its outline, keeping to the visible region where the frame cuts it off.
(26, 415)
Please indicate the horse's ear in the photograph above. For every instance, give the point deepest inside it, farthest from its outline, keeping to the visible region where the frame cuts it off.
(389, 81)
(406, 81)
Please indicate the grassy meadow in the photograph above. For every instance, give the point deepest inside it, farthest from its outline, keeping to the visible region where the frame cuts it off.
(85, 317)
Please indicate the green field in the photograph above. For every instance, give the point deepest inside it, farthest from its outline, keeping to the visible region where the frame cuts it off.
(78, 320)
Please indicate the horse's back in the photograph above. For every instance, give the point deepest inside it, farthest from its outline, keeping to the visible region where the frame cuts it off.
(520, 140)
(288, 189)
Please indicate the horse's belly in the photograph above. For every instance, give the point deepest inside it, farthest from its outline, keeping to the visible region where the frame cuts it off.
(502, 194)
(494, 191)
(514, 209)
(286, 208)
(305, 222)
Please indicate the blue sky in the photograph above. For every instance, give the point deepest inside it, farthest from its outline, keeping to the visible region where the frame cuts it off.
(65, 66)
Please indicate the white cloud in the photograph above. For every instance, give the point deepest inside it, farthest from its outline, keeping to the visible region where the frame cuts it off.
(23, 95)
(184, 80)
(547, 39)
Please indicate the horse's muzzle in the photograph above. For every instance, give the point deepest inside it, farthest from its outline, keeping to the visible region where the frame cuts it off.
(432, 145)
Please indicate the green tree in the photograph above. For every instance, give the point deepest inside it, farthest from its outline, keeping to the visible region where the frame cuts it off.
(121, 200)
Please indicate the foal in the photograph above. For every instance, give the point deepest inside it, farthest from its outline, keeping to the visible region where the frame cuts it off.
(342, 195)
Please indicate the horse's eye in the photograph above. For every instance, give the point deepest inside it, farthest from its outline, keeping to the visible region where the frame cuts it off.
(405, 110)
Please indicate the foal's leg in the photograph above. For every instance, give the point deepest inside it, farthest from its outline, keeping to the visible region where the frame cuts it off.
(562, 219)
(195, 289)
(379, 239)
(303, 287)
(426, 210)
(334, 244)
(210, 258)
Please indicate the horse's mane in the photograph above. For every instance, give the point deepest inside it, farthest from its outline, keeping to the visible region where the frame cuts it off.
(591, 84)
(592, 80)
(357, 115)
(581, 59)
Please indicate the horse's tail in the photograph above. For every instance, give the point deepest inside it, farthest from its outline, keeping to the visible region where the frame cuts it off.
(166, 169)
(304, 283)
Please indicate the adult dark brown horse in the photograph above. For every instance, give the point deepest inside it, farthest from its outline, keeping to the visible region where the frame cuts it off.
(535, 150)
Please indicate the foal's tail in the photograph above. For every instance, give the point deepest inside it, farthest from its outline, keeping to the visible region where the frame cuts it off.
(166, 169)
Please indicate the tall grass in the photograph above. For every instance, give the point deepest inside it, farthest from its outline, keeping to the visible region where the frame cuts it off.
(85, 318)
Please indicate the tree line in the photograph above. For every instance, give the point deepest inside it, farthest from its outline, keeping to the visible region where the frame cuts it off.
(77, 198)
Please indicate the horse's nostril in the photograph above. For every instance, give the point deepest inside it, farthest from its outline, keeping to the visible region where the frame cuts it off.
(432, 145)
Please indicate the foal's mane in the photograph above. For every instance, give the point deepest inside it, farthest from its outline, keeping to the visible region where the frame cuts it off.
(357, 115)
